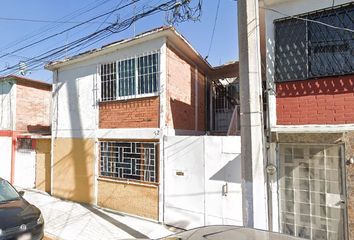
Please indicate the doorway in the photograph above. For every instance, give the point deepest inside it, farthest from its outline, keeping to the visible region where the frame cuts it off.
(311, 191)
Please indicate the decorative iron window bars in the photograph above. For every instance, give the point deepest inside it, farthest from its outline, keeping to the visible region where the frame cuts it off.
(307, 49)
(129, 160)
(133, 77)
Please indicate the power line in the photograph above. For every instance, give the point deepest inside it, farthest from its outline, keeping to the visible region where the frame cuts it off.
(41, 31)
(64, 31)
(47, 21)
(104, 21)
(213, 33)
(309, 20)
(96, 36)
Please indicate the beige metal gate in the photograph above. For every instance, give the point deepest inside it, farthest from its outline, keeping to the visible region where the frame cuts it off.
(312, 191)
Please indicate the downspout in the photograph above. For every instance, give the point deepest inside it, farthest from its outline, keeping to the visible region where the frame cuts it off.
(14, 134)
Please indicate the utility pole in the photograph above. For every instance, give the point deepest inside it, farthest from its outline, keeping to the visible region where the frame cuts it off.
(254, 194)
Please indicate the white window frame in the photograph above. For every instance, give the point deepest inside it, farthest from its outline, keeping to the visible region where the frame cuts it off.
(136, 77)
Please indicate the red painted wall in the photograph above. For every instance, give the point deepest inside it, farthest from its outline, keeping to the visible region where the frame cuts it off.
(318, 101)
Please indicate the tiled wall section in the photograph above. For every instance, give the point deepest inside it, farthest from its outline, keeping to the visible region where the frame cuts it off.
(328, 138)
(317, 101)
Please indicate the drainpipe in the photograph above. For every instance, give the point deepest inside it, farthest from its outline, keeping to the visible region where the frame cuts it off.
(254, 193)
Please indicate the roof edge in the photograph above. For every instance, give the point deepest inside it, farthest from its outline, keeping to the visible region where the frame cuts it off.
(25, 80)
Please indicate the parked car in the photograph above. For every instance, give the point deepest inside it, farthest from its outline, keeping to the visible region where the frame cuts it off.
(222, 232)
(19, 220)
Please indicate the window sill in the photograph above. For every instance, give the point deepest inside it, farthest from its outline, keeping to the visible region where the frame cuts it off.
(127, 98)
(128, 182)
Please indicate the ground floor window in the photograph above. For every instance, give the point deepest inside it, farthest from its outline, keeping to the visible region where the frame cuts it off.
(311, 191)
(129, 160)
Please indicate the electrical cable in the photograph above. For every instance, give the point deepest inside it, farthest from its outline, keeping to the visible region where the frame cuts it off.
(96, 36)
(64, 31)
(41, 31)
(213, 32)
(309, 20)
(45, 21)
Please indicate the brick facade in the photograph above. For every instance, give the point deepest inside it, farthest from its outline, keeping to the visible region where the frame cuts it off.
(33, 107)
(181, 93)
(133, 113)
(317, 101)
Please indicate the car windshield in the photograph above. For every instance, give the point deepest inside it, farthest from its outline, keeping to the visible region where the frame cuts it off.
(7, 192)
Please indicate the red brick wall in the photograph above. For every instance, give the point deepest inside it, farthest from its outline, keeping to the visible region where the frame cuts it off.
(318, 101)
(181, 94)
(134, 113)
(32, 108)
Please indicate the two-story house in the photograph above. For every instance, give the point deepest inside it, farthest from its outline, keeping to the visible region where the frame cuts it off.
(24, 116)
(310, 67)
(113, 106)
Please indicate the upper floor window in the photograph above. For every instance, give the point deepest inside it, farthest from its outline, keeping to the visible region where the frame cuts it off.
(307, 49)
(133, 77)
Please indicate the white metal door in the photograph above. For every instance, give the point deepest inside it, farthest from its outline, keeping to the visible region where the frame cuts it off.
(202, 180)
(25, 161)
(311, 191)
(5, 157)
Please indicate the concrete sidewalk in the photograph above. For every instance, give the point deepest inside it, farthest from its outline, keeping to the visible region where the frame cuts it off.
(68, 220)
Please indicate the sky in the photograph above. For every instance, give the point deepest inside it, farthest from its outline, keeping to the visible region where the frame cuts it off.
(65, 14)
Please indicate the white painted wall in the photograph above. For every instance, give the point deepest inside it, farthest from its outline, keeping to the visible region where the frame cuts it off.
(25, 168)
(7, 105)
(207, 164)
(287, 8)
(76, 92)
(5, 157)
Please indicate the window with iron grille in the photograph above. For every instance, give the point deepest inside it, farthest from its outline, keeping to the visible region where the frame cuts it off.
(308, 49)
(108, 81)
(24, 144)
(129, 78)
(129, 160)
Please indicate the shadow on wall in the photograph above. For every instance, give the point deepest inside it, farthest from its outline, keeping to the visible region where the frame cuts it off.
(182, 115)
(74, 156)
(323, 86)
(181, 94)
(230, 172)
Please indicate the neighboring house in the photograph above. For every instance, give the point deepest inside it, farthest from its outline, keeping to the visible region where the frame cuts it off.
(112, 108)
(24, 116)
(310, 75)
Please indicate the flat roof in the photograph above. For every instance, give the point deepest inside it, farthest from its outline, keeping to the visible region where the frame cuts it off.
(27, 81)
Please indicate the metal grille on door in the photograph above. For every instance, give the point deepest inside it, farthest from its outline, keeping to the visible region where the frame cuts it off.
(311, 191)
